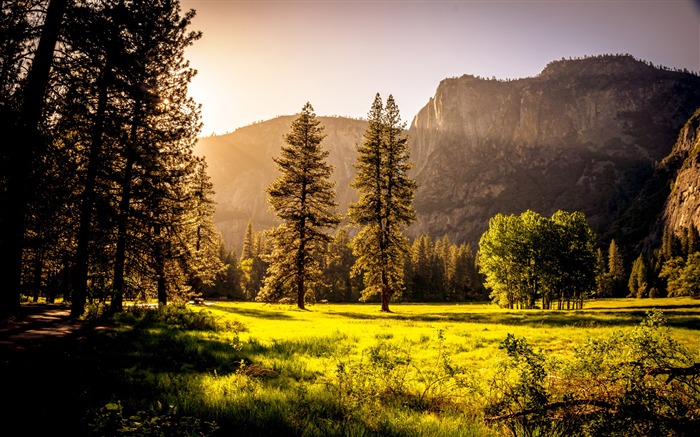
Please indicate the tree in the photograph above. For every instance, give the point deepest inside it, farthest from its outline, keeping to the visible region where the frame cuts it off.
(638, 283)
(682, 276)
(385, 206)
(574, 262)
(341, 286)
(253, 265)
(529, 256)
(616, 270)
(303, 198)
(18, 161)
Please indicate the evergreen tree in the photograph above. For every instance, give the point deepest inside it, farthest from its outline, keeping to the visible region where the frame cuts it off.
(603, 288)
(303, 198)
(22, 115)
(616, 272)
(341, 287)
(248, 242)
(638, 283)
(385, 207)
(156, 152)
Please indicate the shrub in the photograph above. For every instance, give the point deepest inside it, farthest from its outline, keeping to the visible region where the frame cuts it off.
(636, 382)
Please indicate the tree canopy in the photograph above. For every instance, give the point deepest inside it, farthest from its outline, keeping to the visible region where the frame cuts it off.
(528, 257)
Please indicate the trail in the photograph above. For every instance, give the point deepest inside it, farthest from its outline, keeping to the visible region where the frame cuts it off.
(37, 324)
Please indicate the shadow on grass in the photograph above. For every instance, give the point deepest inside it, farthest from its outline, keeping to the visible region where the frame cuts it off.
(251, 312)
(538, 318)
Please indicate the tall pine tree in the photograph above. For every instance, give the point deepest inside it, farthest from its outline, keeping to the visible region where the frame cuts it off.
(303, 198)
(385, 207)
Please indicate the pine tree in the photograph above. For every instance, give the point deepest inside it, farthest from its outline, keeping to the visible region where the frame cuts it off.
(385, 207)
(248, 242)
(303, 198)
(616, 273)
(338, 269)
(638, 282)
(28, 108)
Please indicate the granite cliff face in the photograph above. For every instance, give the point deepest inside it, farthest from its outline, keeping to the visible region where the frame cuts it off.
(581, 136)
(241, 167)
(682, 208)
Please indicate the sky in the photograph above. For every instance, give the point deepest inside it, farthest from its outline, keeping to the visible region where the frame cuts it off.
(261, 59)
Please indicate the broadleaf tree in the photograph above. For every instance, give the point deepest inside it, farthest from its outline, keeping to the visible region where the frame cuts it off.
(385, 205)
(527, 256)
(303, 198)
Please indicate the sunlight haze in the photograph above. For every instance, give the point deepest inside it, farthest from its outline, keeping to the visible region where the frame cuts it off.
(261, 59)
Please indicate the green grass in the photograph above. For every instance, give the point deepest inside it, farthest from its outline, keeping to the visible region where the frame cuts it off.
(259, 369)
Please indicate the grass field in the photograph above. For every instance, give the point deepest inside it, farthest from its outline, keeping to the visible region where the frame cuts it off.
(470, 332)
(243, 368)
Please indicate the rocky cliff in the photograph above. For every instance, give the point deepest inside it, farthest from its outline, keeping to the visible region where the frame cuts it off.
(682, 208)
(581, 136)
(584, 135)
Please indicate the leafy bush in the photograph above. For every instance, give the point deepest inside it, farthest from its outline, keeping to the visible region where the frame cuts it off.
(636, 382)
(110, 420)
(177, 316)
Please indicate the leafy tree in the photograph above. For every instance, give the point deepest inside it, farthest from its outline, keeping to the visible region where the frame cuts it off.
(682, 276)
(303, 198)
(528, 256)
(574, 262)
(385, 204)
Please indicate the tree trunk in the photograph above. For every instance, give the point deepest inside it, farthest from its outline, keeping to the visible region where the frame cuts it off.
(160, 268)
(123, 218)
(385, 293)
(86, 206)
(20, 158)
(120, 254)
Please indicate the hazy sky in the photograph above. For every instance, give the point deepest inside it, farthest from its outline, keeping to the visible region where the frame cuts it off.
(260, 59)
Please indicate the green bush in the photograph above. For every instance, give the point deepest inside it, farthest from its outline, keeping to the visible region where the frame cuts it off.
(636, 382)
(177, 316)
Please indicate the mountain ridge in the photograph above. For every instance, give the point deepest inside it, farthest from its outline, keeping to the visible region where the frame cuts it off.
(584, 135)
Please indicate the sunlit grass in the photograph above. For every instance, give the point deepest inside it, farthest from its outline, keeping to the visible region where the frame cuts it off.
(259, 369)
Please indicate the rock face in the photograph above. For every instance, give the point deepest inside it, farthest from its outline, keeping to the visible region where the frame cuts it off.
(584, 135)
(682, 208)
(581, 136)
(241, 167)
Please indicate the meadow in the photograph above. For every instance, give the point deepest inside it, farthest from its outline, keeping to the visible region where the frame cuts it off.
(246, 368)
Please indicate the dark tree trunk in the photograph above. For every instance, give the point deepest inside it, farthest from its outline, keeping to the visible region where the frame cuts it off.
(86, 207)
(20, 158)
(160, 268)
(120, 254)
(124, 213)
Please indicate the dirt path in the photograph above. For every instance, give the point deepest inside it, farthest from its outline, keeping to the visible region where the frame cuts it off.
(37, 324)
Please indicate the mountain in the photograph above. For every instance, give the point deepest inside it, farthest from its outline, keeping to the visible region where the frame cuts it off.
(583, 135)
(241, 167)
(682, 209)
